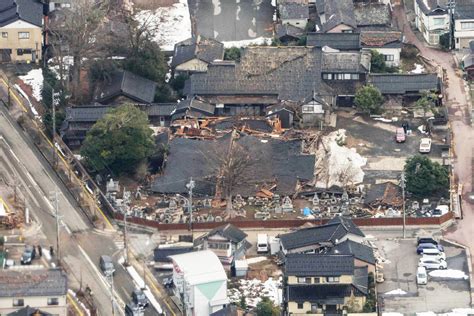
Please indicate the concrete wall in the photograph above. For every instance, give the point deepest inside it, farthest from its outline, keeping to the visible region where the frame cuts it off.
(462, 37)
(301, 23)
(395, 52)
(11, 41)
(41, 302)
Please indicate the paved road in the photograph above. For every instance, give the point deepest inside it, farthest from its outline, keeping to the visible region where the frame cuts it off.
(81, 244)
(462, 131)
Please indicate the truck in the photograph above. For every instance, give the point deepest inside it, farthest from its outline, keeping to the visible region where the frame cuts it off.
(262, 243)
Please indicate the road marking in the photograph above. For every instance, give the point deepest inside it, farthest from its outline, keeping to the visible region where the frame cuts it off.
(74, 304)
(66, 227)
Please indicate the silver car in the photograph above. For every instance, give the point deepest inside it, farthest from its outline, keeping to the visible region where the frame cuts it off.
(433, 264)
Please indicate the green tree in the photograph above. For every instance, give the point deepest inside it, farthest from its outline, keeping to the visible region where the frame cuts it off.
(426, 103)
(444, 41)
(48, 121)
(425, 177)
(377, 62)
(266, 308)
(119, 141)
(147, 61)
(368, 99)
(232, 53)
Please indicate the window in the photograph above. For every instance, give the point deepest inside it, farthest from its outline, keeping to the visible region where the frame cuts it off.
(332, 279)
(438, 21)
(300, 305)
(23, 35)
(327, 76)
(18, 302)
(5, 34)
(301, 280)
(467, 25)
(317, 280)
(347, 76)
(307, 280)
(53, 301)
(355, 76)
(389, 57)
(347, 31)
(308, 109)
(21, 52)
(215, 245)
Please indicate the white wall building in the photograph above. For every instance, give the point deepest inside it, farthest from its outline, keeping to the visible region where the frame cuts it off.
(463, 23)
(200, 282)
(432, 19)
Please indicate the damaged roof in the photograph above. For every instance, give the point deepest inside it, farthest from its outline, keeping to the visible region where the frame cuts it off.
(371, 39)
(346, 62)
(339, 12)
(230, 232)
(404, 83)
(372, 14)
(387, 193)
(200, 47)
(127, 84)
(193, 107)
(271, 161)
(342, 41)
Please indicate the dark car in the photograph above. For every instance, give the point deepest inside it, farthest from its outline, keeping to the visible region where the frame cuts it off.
(133, 310)
(168, 282)
(28, 255)
(421, 247)
(426, 240)
(139, 299)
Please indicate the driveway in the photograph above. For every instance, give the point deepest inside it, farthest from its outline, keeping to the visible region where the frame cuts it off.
(232, 20)
(463, 230)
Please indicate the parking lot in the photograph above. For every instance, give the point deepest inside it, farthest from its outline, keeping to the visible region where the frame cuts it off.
(439, 295)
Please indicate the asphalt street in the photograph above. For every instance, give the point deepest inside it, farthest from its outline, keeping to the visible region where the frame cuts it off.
(81, 244)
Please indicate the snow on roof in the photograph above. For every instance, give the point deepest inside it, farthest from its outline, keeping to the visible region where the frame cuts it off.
(200, 266)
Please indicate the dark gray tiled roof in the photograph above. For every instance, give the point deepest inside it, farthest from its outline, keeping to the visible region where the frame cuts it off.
(433, 7)
(313, 235)
(347, 223)
(230, 232)
(128, 84)
(30, 11)
(293, 11)
(468, 61)
(288, 30)
(29, 311)
(361, 279)
(52, 282)
(192, 107)
(330, 294)
(90, 113)
(275, 161)
(202, 48)
(339, 12)
(162, 254)
(403, 83)
(341, 41)
(299, 264)
(346, 62)
(358, 250)
(372, 14)
(371, 39)
(160, 109)
(464, 9)
(320, 6)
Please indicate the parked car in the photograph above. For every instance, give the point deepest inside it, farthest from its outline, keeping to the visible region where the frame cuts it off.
(421, 276)
(421, 247)
(426, 240)
(400, 135)
(133, 310)
(107, 265)
(262, 243)
(168, 282)
(432, 264)
(28, 254)
(425, 145)
(433, 253)
(139, 298)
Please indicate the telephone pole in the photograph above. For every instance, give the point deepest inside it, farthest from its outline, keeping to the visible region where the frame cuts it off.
(53, 106)
(190, 187)
(126, 198)
(403, 203)
(54, 199)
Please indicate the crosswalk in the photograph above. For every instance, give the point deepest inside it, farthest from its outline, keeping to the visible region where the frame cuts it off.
(119, 241)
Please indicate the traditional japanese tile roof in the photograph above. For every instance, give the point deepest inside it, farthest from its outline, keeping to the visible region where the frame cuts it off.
(44, 282)
(376, 39)
(341, 41)
(230, 232)
(30, 11)
(301, 264)
(344, 62)
(200, 47)
(403, 83)
(293, 10)
(372, 14)
(339, 12)
(358, 250)
(464, 9)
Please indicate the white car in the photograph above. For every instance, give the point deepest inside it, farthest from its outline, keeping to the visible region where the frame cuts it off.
(421, 276)
(433, 264)
(425, 145)
(433, 253)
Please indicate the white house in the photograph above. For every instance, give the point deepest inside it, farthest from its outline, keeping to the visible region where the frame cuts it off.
(42, 289)
(387, 43)
(432, 19)
(200, 282)
(463, 23)
(295, 14)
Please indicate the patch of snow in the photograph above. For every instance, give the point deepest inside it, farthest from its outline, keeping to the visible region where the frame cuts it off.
(254, 290)
(396, 292)
(34, 78)
(449, 274)
(25, 96)
(419, 69)
(338, 163)
(274, 3)
(382, 119)
(140, 284)
(256, 260)
(391, 314)
(426, 314)
(244, 43)
(460, 312)
(172, 24)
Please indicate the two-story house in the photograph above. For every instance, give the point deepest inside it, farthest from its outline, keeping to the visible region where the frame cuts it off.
(228, 242)
(43, 289)
(324, 284)
(21, 29)
(200, 282)
(432, 19)
(463, 23)
(387, 43)
(363, 255)
(295, 14)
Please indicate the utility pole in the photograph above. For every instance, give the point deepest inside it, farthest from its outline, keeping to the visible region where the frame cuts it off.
(451, 6)
(53, 105)
(190, 187)
(403, 203)
(112, 293)
(126, 198)
(56, 212)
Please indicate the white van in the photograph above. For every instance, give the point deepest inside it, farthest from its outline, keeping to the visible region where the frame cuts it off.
(433, 253)
(421, 276)
(262, 243)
